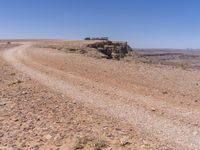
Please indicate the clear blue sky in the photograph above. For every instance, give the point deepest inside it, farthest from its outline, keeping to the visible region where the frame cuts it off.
(143, 23)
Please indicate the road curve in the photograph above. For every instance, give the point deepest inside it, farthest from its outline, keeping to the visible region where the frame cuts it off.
(110, 100)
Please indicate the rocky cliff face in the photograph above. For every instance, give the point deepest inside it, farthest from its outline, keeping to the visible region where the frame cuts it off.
(92, 48)
(112, 50)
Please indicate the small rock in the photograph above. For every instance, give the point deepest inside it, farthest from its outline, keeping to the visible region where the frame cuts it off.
(14, 145)
(23, 144)
(39, 140)
(109, 135)
(153, 109)
(35, 147)
(2, 104)
(165, 92)
(24, 93)
(1, 134)
(145, 142)
(48, 136)
(195, 133)
(18, 81)
(57, 143)
(118, 129)
(124, 141)
(15, 120)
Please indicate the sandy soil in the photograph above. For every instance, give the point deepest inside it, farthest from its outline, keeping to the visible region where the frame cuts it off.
(52, 99)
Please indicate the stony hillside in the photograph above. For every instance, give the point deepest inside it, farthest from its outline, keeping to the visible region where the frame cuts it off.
(93, 48)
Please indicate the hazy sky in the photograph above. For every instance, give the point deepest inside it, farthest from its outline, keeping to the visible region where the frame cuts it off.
(143, 23)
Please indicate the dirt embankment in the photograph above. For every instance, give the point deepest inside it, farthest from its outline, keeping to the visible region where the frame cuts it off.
(62, 100)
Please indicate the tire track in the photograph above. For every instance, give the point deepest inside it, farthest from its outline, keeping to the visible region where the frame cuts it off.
(165, 129)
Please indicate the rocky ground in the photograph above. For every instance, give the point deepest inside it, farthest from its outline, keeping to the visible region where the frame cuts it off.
(34, 117)
(50, 99)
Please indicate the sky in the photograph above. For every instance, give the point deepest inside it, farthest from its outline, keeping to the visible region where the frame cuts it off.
(143, 23)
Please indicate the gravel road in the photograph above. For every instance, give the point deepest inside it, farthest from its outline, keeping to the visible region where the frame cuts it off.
(151, 99)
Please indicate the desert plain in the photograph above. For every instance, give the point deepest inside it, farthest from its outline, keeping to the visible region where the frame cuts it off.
(61, 95)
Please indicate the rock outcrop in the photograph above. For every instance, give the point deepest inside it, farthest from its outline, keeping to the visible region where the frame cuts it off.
(112, 50)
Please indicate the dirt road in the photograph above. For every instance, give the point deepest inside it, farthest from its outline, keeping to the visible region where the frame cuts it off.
(157, 102)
